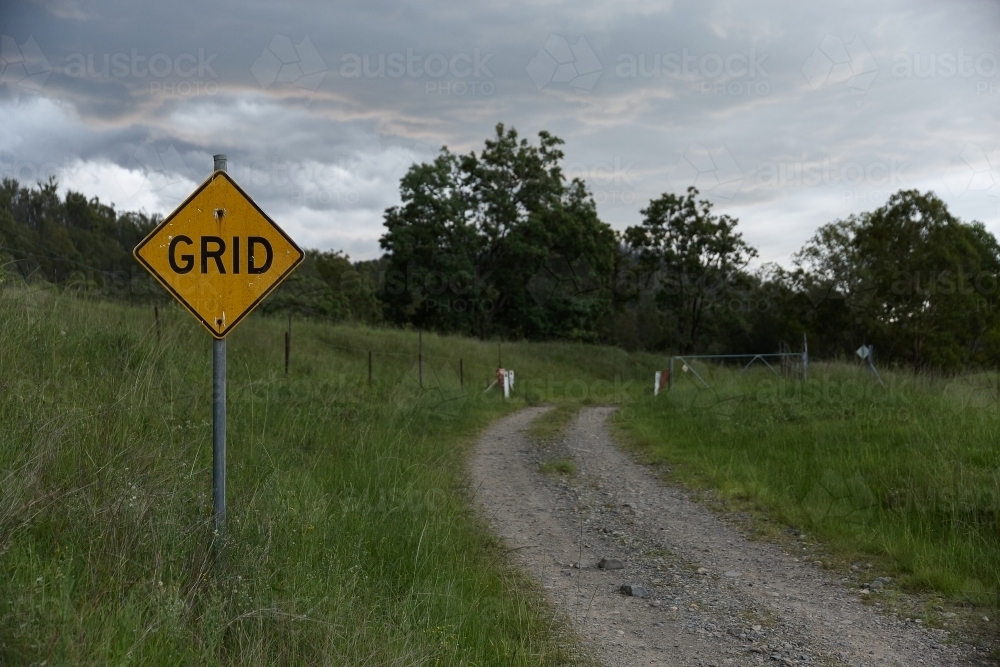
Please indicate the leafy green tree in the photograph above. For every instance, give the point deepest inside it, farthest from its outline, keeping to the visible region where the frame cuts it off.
(482, 244)
(432, 245)
(692, 263)
(326, 285)
(72, 240)
(910, 278)
(361, 285)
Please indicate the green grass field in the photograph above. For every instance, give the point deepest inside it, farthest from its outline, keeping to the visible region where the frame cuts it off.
(907, 476)
(350, 535)
(351, 538)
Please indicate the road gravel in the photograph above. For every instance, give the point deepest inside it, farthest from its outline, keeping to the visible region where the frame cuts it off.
(701, 593)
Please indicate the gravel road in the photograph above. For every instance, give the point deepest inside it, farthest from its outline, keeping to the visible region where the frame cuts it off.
(711, 596)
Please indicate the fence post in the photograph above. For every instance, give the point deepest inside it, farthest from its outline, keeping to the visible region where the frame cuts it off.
(805, 357)
(288, 342)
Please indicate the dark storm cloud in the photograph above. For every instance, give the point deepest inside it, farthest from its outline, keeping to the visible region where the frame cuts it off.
(784, 115)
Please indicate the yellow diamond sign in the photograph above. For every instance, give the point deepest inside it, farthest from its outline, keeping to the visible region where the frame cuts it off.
(219, 254)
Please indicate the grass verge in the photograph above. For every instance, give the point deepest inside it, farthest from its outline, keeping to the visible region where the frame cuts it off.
(904, 476)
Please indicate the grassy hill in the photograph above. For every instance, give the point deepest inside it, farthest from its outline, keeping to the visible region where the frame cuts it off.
(350, 537)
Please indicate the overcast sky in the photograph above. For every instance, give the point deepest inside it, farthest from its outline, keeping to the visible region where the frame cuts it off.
(786, 115)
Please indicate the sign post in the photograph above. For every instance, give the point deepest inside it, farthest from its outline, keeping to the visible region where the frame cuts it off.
(867, 353)
(219, 255)
(219, 412)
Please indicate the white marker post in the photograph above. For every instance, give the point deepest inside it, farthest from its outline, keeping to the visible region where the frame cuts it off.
(506, 384)
(656, 383)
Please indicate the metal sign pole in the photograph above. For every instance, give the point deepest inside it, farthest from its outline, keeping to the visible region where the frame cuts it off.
(219, 416)
(240, 238)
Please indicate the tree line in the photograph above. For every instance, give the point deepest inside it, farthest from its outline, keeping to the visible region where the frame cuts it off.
(85, 246)
(500, 243)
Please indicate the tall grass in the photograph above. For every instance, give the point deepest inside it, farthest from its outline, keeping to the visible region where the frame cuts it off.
(350, 537)
(908, 473)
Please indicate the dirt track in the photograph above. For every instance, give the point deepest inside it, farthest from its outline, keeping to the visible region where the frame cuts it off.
(714, 598)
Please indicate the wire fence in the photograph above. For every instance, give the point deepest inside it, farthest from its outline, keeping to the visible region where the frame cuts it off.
(366, 357)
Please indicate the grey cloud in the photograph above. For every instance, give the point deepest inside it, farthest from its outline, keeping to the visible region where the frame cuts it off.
(321, 108)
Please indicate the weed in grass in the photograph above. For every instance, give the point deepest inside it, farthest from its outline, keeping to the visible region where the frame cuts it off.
(552, 424)
(564, 466)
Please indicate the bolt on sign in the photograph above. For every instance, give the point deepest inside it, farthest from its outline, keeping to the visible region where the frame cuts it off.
(219, 254)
